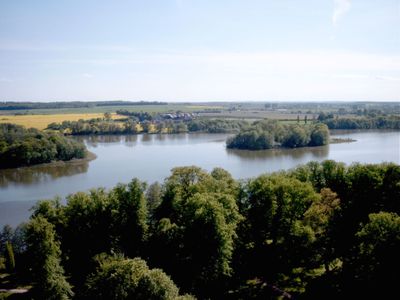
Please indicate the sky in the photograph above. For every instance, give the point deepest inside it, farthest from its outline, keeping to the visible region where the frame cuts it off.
(200, 50)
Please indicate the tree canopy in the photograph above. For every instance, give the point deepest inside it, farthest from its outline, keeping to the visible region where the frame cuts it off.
(269, 134)
(320, 231)
(24, 147)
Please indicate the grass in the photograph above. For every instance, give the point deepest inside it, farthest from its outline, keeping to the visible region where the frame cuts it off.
(41, 121)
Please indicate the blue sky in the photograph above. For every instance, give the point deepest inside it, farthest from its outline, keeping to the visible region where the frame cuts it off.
(192, 50)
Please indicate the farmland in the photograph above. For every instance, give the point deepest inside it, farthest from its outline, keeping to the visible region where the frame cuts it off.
(41, 121)
(171, 107)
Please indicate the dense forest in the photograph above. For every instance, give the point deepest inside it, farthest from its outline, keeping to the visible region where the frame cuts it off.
(320, 231)
(24, 147)
(141, 123)
(269, 134)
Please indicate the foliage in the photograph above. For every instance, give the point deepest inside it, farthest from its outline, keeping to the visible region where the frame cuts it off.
(10, 259)
(119, 278)
(153, 196)
(269, 134)
(143, 122)
(320, 231)
(369, 122)
(196, 227)
(44, 250)
(23, 147)
(375, 263)
(278, 235)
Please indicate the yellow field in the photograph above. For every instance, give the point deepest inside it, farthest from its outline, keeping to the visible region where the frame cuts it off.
(41, 121)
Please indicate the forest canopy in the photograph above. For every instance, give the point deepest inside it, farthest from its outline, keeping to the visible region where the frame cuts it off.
(24, 147)
(320, 231)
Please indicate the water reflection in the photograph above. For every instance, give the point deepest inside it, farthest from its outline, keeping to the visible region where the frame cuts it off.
(131, 140)
(150, 139)
(41, 173)
(314, 152)
(94, 140)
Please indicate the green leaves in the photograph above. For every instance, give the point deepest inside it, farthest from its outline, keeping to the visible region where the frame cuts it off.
(196, 226)
(24, 147)
(44, 251)
(268, 134)
(119, 278)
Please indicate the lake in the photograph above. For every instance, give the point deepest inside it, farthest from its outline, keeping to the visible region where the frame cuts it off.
(151, 157)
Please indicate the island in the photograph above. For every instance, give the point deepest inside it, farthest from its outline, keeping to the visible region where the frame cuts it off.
(268, 134)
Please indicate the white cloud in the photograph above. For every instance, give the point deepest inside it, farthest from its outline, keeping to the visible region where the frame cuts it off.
(341, 7)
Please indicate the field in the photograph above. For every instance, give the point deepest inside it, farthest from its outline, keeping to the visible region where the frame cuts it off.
(171, 107)
(41, 121)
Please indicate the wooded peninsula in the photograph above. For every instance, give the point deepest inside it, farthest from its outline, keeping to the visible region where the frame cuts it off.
(24, 147)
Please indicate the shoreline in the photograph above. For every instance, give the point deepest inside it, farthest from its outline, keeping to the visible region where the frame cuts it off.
(331, 141)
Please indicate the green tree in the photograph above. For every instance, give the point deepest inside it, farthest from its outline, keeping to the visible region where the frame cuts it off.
(130, 219)
(10, 260)
(319, 135)
(119, 278)
(196, 227)
(375, 264)
(153, 196)
(44, 251)
(276, 238)
(296, 137)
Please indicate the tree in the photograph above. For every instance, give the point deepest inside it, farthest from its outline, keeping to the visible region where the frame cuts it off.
(44, 251)
(5, 236)
(296, 137)
(130, 220)
(119, 278)
(277, 239)
(153, 196)
(196, 228)
(319, 135)
(24, 147)
(375, 264)
(319, 217)
(10, 260)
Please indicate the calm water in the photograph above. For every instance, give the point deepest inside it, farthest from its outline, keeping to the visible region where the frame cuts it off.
(151, 157)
